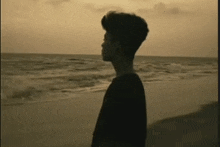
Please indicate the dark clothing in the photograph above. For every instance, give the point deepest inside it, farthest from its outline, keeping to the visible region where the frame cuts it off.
(122, 118)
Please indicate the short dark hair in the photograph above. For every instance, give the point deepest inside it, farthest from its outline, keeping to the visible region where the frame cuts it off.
(130, 30)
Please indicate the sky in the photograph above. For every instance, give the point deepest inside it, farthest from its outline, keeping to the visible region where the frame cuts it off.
(177, 27)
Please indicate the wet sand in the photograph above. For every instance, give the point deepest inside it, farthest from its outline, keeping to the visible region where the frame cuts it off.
(179, 113)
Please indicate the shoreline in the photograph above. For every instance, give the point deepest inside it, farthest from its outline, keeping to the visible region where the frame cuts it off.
(71, 121)
(75, 94)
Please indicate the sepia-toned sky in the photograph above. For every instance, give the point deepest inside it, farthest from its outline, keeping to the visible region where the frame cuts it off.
(177, 27)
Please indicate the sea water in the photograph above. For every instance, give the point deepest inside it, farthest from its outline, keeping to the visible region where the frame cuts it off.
(40, 76)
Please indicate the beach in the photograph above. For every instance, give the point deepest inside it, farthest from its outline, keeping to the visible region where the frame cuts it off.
(69, 122)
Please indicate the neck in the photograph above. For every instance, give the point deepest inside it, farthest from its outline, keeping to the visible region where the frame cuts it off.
(122, 66)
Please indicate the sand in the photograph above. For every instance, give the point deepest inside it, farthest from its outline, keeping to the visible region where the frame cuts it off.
(173, 107)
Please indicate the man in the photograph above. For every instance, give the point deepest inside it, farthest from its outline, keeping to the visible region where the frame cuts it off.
(122, 118)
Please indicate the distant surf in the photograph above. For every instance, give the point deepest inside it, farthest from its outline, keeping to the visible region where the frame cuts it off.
(33, 76)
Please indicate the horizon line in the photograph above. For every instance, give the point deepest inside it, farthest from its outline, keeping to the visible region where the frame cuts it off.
(100, 55)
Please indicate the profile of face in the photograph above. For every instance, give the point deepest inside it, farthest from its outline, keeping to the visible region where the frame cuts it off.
(109, 48)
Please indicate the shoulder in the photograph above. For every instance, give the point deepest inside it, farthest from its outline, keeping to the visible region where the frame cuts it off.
(128, 85)
(127, 81)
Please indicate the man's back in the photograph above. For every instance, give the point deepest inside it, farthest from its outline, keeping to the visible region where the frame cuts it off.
(122, 119)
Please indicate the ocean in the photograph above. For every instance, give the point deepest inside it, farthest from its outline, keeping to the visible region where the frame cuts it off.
(42, 77)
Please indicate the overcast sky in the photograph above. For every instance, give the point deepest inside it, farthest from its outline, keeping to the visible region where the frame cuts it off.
(177, 27)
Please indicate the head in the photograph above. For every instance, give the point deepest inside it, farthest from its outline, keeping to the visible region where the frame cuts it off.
(124, 34)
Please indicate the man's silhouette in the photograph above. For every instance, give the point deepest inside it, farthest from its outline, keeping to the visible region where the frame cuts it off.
(122, 119)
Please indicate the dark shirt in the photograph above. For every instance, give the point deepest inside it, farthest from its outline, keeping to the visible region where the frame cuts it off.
(122, 118)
